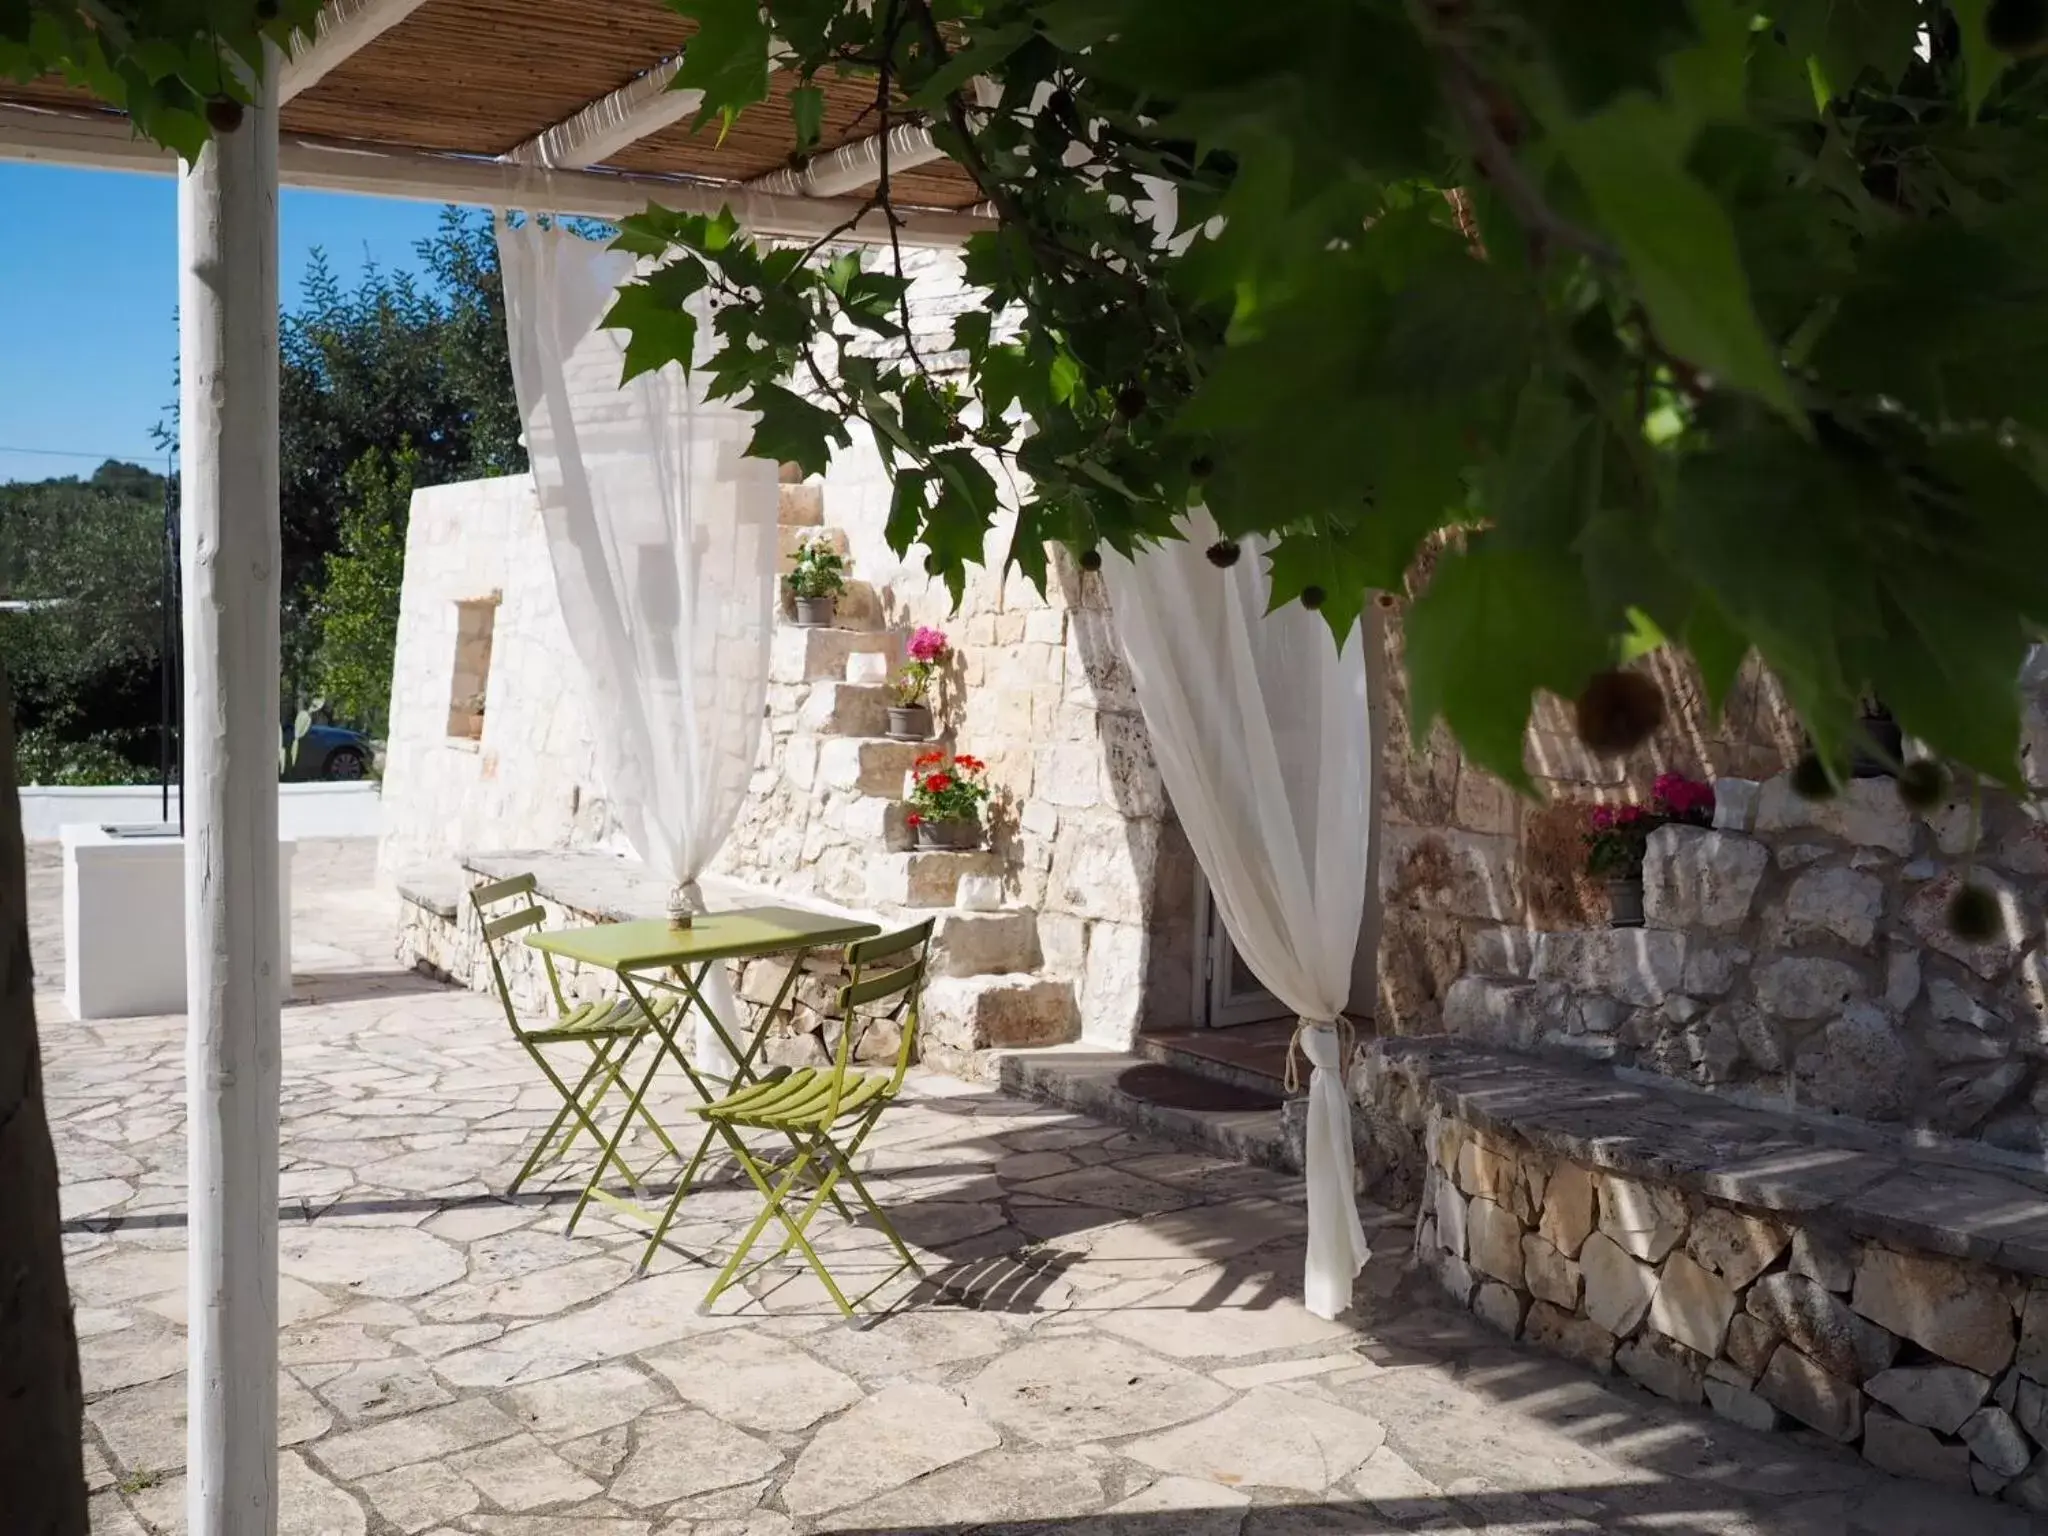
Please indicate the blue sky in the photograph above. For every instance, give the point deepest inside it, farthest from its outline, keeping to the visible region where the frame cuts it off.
(88, 303)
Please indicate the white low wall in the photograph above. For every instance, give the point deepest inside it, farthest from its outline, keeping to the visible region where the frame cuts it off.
(303, 810)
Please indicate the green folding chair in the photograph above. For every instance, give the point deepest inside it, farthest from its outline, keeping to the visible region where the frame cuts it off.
(826, 1114)
(611, 1029)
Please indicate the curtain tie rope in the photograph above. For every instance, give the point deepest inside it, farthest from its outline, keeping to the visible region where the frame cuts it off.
(1347, 1038)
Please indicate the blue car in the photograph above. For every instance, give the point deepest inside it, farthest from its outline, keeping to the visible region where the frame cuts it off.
(330, 752)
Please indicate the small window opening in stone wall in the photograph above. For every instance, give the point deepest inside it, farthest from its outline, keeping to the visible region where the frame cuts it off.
(475, 621)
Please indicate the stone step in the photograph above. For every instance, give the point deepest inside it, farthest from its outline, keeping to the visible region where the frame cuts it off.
(802, 654)
(924, 879)
(983, 943)
(846, 709)
(960, 1016)
(1225, 1055)
(858, 607)
(789, 540)
(964, 943)
(803, 506)
(1100, 1083)
(872, 821)
(868, 765)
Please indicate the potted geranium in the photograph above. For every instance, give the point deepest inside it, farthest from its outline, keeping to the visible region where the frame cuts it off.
(946, 796)
(1618, 835)
(910, 717)
(816, 580)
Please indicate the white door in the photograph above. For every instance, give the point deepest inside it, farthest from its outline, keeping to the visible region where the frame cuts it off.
(1228, 993)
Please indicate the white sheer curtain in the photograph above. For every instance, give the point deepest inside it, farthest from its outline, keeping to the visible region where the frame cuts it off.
(663, 540)
(1259, 725)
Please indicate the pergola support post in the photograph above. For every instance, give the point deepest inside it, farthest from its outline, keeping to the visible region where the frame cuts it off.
(228, 424)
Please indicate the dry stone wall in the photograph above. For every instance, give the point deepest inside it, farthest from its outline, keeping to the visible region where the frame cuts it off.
(1463, 856)
(1799, 954)
(1716, 1257)
(1934, 1368)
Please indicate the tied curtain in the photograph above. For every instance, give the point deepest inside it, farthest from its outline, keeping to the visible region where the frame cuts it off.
(1259, 724)
(663, 539)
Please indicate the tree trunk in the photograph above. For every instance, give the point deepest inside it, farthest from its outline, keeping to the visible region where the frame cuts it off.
(41, 1406)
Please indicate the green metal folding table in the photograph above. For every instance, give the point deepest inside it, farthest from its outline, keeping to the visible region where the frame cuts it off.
(649, 955)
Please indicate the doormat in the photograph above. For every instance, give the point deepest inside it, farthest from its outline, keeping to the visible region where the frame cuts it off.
(1171, 1088)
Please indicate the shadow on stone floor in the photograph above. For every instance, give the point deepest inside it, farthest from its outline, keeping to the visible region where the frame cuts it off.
(321, 988)
(1563, 1510)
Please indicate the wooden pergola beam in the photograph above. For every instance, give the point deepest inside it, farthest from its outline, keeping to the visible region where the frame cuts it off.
(593, 134)
(344, 28)
(105, 141)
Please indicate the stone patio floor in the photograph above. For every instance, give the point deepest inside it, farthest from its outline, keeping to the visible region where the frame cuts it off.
(1111, 1343)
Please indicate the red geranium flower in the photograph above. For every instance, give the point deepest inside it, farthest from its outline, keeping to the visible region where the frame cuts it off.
(913, 819)
(971, 764)
(939, 783)
(930, 758)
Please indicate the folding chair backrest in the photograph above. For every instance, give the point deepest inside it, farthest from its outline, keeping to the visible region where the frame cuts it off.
(512, 916)
(885, 978)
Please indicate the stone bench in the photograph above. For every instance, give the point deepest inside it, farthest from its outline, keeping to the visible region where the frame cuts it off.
(1892, 1297)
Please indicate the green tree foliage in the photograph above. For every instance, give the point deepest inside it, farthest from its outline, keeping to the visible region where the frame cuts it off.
(358, 607)
(396, 362)
(410, 374)
(179, 68)
(81, 573)
(1721, 322)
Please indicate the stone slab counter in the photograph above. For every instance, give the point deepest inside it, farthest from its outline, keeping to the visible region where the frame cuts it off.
(1788, 1274)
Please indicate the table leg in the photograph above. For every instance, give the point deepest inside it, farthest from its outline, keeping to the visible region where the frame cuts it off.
(742, 1074)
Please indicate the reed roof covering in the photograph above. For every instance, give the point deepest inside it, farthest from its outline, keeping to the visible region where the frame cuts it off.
(482, 77)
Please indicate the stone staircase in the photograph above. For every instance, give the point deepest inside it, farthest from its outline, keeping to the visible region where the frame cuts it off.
(831, 749)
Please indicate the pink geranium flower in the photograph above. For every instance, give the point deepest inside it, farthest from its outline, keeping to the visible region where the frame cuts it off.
(927, 645)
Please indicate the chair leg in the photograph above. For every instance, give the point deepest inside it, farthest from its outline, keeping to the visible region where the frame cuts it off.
(844, 1161)
(611, 1151)
(683, 1187)
(772, 1196)
(572, 1104)
(838, 1204)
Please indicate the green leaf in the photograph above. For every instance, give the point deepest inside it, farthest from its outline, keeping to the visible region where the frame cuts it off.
(1063, 376)
(1947, 665)
(1679, 246)
(1494, 626)
(653, 312)
(1982, 63)
(794, 431)
(1597, 60)
(1716, 647)
(906, 510)
(985, 55)
(807, 114)
(1308, 557)
(956, 532)
(1846, 37)
(726, 57)
(1027, 544)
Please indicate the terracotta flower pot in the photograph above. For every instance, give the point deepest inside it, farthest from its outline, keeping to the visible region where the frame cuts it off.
(815, 612)
(952, 836)
(1625, 902)
(910, 722)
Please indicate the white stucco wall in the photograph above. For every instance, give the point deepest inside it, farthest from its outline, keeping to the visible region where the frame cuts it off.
(530, 781)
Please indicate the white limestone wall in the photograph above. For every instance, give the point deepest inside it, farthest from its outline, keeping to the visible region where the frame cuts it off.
(1041, 693)
(531, 780)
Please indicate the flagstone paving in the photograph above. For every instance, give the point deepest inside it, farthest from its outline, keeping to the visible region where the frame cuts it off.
(1110, 1342)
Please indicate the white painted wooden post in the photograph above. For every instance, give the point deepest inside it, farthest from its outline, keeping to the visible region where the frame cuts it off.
(227, 325)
